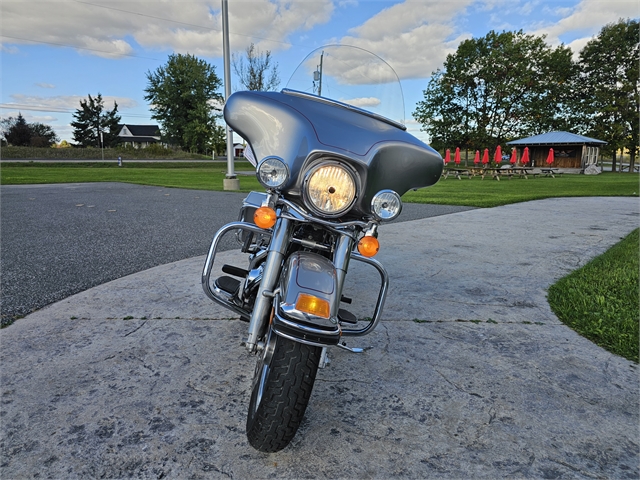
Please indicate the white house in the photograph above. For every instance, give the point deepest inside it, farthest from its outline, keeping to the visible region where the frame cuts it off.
(139, 136)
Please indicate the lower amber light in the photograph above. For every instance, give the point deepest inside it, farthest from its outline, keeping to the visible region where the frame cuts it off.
(265, 217)
(315, 306)
(368, 246)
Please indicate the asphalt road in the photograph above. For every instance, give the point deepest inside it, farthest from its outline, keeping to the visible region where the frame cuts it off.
(58, 240)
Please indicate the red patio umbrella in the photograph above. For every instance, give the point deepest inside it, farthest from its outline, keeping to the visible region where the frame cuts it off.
(525, 156)
(550, 156)
(456, 157)
(485, 156)
(447, 156)
(497, 157)
(476, 159)
(514, 157)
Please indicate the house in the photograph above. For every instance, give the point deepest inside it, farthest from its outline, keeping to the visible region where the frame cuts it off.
(569, 150)
(139, 136)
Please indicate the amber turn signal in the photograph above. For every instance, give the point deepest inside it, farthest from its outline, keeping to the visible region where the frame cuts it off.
(265, 217)
(315, 306)
(368, 246)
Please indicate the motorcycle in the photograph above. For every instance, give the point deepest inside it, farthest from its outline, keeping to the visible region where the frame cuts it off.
(332, 172)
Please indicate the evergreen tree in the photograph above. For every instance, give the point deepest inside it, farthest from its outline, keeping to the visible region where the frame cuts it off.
(17, 131)
(91, 119)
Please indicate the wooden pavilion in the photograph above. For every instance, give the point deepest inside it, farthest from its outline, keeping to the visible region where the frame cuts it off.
(570, 150)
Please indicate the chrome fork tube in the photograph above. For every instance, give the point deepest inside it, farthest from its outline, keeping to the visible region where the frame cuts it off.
(341, 257)
(277, 249)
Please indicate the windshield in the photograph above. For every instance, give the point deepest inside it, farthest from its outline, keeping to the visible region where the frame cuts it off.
(353, 76)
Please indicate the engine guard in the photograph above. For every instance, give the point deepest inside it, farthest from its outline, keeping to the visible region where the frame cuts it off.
(311, 274)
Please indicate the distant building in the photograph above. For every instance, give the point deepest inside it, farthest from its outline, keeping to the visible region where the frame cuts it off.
(569, 150)
(238, 150)
(139, 136)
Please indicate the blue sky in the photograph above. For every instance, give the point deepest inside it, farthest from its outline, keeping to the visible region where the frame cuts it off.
(56, 52)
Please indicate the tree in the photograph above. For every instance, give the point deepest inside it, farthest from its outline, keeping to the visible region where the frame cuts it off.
(607, 89)
(496, 88)
(16, 131)
(259, 74)
(92, 119)
(42, 135)
(184, 99)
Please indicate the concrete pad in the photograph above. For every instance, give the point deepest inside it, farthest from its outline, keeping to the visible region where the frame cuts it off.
(471, 374)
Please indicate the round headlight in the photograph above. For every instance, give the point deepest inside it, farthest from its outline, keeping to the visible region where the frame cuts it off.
(386, 205)
(272, 172)
(330, 189)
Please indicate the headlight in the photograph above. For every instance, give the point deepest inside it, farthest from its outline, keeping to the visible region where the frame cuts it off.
(272, 172)
(386, 205)
(330, 189)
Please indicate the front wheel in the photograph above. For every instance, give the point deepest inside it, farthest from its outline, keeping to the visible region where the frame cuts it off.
(282, 384)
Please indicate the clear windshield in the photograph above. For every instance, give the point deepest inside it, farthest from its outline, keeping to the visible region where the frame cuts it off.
(353, 76)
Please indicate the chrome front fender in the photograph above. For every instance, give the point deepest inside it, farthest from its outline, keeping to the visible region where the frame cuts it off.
(314, 275)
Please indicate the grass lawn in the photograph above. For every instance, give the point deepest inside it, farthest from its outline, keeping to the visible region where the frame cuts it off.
(600, 300)
(200, 176)
(473, 192)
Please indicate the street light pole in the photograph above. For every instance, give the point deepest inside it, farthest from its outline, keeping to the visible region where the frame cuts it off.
(231, 182)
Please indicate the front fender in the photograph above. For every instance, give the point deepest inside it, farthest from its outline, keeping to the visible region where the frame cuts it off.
(311, 274)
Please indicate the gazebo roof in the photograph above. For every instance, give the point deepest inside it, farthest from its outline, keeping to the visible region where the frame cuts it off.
(557, 138)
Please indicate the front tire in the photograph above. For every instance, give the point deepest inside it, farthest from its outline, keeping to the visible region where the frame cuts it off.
(282, 385)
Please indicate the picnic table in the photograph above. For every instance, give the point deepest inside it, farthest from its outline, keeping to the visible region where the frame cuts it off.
(456, 171)
(626, 166)
(550, 172)
(509, 171)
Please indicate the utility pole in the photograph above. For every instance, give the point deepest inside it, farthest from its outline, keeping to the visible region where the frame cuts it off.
(317, 76)
(231, 182)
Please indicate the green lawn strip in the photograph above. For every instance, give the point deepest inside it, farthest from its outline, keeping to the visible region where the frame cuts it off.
(600, 301)
(180, 175)
(473, 192)
(476, 192)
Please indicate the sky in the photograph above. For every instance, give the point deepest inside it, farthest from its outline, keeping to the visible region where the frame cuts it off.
(56, 52)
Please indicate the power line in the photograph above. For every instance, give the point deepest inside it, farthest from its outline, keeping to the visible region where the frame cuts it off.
(44, 108)
(76, 47)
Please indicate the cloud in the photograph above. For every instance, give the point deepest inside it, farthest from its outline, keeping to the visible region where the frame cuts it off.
(585, 20)
(414, 36)
(111, 30)
(362, 102)
(44, 85)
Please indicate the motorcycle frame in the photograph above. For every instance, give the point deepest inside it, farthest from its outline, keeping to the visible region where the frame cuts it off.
(288, 215)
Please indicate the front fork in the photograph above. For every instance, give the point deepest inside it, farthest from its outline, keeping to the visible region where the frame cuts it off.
(280, 240)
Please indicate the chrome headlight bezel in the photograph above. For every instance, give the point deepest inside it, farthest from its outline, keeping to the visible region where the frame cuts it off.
(279, 173)
(351, 177)
(386, 205)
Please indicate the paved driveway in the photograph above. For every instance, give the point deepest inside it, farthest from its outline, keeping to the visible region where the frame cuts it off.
(471, 374)
(58, 240)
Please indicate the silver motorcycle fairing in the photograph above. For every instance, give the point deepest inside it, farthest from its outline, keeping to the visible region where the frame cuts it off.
(311, 274)
(302, 130)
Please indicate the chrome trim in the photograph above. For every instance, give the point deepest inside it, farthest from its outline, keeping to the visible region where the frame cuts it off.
(306, 216)
(214, 293)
